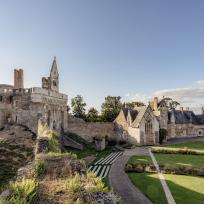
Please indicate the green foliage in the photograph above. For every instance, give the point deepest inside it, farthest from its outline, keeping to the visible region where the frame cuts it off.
(111, 108)
(162, 135)
(132, 105)
(78, 107)
(73, 184)
(39, 167)
(92, 115)
(168, 103)
(54, 145)
(24, 192)
(170, 150)
(97, 184)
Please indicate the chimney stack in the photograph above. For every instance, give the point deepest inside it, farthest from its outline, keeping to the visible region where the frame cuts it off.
(18, 79)
(155, 106)
(187, 108)
(181, 108)
(202, 111)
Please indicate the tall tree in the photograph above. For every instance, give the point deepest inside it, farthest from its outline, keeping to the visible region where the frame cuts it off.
(92, 115)
(168, 103)
(132, 105)
(111, 108)
(78, 107)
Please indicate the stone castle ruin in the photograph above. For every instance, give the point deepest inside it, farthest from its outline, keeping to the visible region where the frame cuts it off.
(26, 106)
(45, 105)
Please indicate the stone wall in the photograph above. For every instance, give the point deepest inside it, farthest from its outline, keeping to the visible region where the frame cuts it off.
(185, 130)
(89, 130)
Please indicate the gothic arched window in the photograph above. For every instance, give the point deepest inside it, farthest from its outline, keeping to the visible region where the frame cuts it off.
(148, 127)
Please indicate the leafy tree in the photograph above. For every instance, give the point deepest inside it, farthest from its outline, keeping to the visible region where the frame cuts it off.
(169, 103)
(132, 105)
(92, 115)
(78, 107)
(111, 108)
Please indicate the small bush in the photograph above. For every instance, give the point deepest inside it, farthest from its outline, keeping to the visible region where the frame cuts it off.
(24, 192)
(166, 150)
(54, 145)
(73, 184)
(39, 167)
(95, 184)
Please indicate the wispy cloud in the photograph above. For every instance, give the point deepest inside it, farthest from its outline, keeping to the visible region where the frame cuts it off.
(192, 96)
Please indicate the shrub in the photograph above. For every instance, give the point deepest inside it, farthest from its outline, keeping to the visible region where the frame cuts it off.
(53, 142)
(73, 184)
(97, 184)
(166, 150)
(162, 135)
(39, 167)
(24, 192)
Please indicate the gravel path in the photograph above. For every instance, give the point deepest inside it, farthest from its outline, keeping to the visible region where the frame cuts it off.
(120, 182)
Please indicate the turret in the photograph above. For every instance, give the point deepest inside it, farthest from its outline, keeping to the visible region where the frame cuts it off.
(18, 79)
(54, 76)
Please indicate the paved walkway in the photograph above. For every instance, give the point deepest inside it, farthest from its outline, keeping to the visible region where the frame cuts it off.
(120, 182)
(166, 189)
(102, 167)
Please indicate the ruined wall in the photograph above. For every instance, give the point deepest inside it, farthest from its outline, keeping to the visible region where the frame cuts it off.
(89, 130)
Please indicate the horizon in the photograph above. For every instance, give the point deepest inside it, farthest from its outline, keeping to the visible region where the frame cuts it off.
(136, 50)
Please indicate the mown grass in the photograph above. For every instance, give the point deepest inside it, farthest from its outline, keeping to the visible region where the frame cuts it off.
(186, 189)
(197, 145)
(180, 160)
(143, 159)
(170, 160)
(150, 185)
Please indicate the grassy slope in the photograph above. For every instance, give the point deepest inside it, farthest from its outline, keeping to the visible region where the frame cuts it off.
(150, 185)
(186, 189)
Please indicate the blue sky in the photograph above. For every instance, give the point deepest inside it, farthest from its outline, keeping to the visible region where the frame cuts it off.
(133, 48)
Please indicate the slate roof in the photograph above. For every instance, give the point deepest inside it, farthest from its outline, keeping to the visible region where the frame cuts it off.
(141, 111)
(186, 117)
(136, 114)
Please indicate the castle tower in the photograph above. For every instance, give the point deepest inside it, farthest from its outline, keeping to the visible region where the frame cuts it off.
(54, 76)
(18, 79)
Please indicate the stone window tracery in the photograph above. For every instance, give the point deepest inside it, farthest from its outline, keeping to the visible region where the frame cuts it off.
(148, 127)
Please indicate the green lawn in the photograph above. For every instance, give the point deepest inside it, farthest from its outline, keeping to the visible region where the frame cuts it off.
(150, 185)
(197, 145)
(186, 189)
(170, 160)
(180, 160)
(140, 160)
